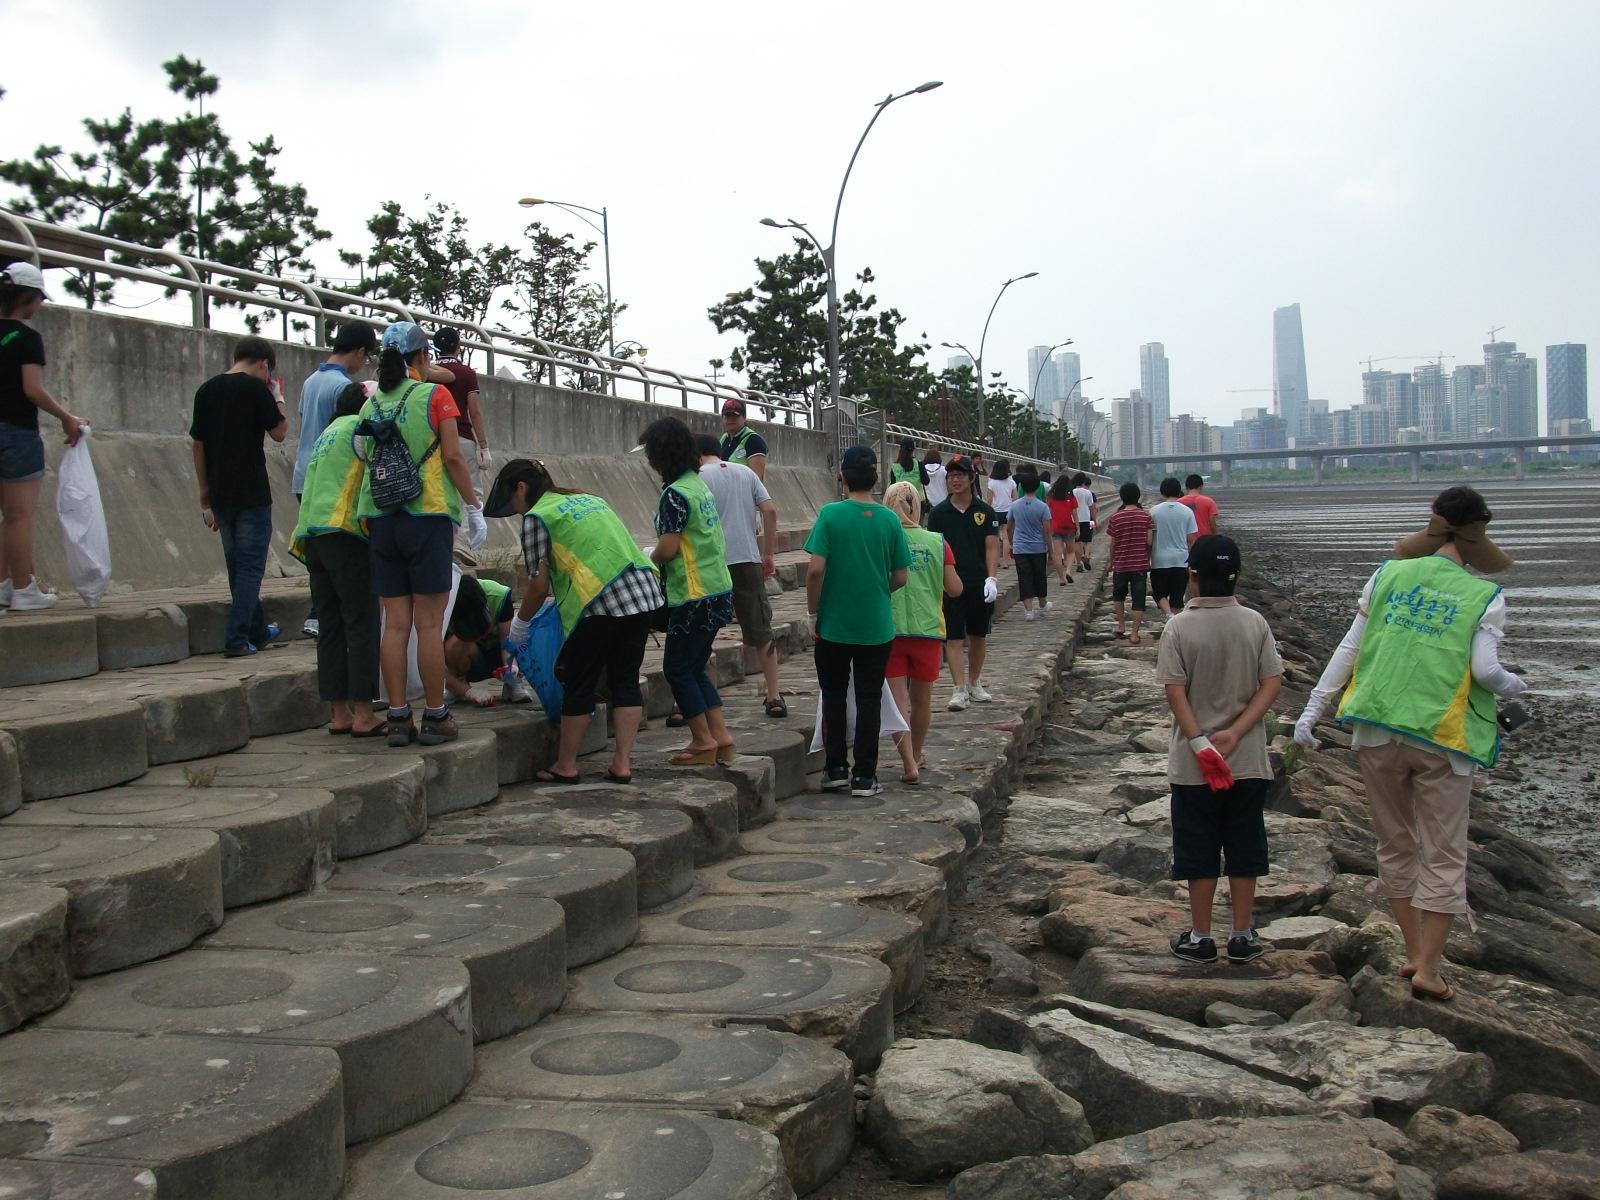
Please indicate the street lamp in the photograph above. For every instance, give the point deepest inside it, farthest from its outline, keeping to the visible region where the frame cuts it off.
(1061, 425)
(830, 260)
(1033, 396)
(983, 425)
(604, 229)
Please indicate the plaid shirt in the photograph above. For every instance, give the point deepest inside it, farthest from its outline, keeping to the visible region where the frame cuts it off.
(633, 592)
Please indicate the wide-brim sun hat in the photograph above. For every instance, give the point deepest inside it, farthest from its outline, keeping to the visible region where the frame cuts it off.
(1472, 542)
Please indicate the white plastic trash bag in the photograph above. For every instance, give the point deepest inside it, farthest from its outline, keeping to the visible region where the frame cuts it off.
(890, 722)
(83, 523)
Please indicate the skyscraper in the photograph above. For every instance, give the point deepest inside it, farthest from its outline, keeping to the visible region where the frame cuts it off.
(1155, 384)
(956, 361)
(1466, 420)
(1566, 384)
(1392, 391)
(1290, 391)
(1130, 427)
(1434, 411)
(1514, 411)
(1043, 379)
(1069, 371)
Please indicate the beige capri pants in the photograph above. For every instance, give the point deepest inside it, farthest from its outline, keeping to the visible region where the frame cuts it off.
(1420, 809)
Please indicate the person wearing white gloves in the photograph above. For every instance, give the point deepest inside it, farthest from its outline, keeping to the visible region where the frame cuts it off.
(411, 541)
(970, 529)
(1422, 664)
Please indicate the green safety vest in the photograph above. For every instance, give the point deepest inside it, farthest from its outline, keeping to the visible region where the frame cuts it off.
(332, 491)
(899, 474)
(700, 568)
(919, 606)
(439, 497)
(1413, 672)
(589, 548)
(737, 452)
(495, 594)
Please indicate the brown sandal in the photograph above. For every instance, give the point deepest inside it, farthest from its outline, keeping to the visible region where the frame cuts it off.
(1422, 993)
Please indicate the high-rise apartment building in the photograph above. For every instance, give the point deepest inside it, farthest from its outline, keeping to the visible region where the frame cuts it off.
(1392, 391)
(1371, 425)
(1514, 408)
(1290, 391)
(1069, 373)
(1566, 385)
(1044, 380)
(1435, 414)
(1185, 435)
(1155, 385)
(1130, 427)
(1467, 420)
(956, 361)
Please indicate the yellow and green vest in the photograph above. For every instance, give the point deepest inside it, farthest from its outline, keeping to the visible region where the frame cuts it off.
(331, 493)
(409, 404)
(911, 475)
(589, 548)
(737, 453)
(700, 568)
(495, 594)
(919, 606)
(1413, 672)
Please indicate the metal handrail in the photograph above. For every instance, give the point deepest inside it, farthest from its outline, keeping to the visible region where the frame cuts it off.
(194, 276)
(925, 438)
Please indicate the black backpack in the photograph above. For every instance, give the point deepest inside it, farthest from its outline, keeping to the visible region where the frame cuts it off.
(396, 478)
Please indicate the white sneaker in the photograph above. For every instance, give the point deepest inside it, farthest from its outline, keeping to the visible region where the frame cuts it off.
(958, 701)
(32, 598)
(1029, 614)
(312, 627)
(1045, 607)
(514, 689)
(978, 692)
(5, 594)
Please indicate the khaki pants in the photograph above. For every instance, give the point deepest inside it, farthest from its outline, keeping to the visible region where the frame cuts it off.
(1419, 812)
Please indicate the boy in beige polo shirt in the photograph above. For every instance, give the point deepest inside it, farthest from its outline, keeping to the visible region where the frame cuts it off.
(1219, 663)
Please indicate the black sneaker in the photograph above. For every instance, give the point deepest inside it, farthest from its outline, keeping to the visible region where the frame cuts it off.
(1192, 949)
(1245, 947)
(835, 779)
(402, 731)
(438, 730)
(865, 786)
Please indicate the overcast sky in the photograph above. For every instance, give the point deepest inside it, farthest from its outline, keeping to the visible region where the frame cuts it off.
(1411, 173)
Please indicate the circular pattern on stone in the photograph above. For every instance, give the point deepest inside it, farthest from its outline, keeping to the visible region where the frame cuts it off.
(42, 1080)
(501, 1159)
(356, 917)
(809, 835)
(216, 987)
(427, 861)
(116, 803)
(605, 1054)
(777, 872)
(679, 976)
(20, 842)
(734, 918)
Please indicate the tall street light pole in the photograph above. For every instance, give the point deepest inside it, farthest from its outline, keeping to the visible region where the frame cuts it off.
(1061, 425)
(983, 424)
(1033, 396)
(604, 229)
(830, 262)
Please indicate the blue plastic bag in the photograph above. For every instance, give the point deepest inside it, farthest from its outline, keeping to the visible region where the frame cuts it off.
(536, 658)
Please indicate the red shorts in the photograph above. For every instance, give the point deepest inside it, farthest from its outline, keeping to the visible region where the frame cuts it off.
(919, 657)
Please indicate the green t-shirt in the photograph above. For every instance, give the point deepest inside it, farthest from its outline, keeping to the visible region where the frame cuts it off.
(863, 543)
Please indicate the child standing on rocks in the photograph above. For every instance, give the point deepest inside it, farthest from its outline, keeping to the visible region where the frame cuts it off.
(1220, 666)
(1130, 530)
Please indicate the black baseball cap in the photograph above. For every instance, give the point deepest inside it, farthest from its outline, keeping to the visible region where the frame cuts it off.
(446, 340)
(502, 496)
(960, 464)
(857, 456)
(355, 336)
(1215, 556)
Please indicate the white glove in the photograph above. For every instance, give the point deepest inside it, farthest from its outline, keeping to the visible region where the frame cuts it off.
(483, 457)
(518, 636)
(991, 590)
(1303, 730)
(477, 527)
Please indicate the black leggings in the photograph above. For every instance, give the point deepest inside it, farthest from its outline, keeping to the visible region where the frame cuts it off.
(342, 599)
(614, 645)
(835, 661)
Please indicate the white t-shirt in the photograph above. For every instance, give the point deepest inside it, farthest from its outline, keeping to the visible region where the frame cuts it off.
(738, 492)
(938, 489)
(1001, 494)
(1085, 498)
(1174, 524)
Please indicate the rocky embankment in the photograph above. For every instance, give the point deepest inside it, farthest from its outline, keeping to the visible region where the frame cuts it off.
(1311, 1072)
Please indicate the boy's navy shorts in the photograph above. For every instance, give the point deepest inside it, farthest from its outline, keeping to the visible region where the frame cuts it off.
(1217, 834)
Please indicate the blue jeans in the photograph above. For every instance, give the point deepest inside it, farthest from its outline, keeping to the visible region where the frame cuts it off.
(684, 665)
(246, 537)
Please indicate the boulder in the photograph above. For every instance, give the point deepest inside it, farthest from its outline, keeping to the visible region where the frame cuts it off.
(1222, 1013)
(1069, 825)
(1280, 983)
(1032, 884)
(1540, 1175)
(1550, 1122)
(1145, 856)
(940, 1106)
(1296, 933)
(1443, 1139)
(1152, 741)
(1328, 1156)
(1010, 973)
(1087, 919)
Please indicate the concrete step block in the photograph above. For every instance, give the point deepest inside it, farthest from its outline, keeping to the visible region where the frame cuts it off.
(894, 939)
(513, 947)
(10, 775)
(402, 1027)
(843, 1000)
(896, 884)
(42, 647)
(570, 1152)
(755, 735)
(712, 805)
(596, 886)
(892, 804)
(141, 637)
(791, 1087)
(208, 618)
(273, 842)
(74, 1181)
(136, 894)
(209, 1118)
(660, 840)
(280, 686)
(65, 748)
(526, 739)
(185, 717)
(458, 775)
(930, 842)
(379, 802)
(35, 975)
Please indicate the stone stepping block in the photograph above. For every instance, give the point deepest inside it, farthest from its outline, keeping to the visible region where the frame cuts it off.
(749, 779)
(894, 939)
(896, 884)
(514, 947)
(46, 646)
(569, 1152)
(660, 840)
(141, 637)
(63, 749)
(921, 841)
(208, 619)
(401, 1026)
(596, 886)
(10, 775)
(788, 1086)
(458, 775)
(208, 1117)
(525, 740)
(380, 802)
(136, 894)
(72, 1181)
(34, 973)
(185, 717)
(1281, 982)
(279, 686)
(273, 843)
(845, 1000)
(711, 806)
(910, 804)
(785, 747)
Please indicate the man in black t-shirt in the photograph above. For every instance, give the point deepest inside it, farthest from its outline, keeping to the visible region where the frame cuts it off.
(231, 413)
(740, 443)
(969, 528)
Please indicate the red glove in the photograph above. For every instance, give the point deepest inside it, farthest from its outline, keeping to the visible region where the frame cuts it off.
(1219, 777)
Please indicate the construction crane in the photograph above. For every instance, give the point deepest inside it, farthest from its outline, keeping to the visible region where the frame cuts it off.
(1433, 358)
(1494, 331)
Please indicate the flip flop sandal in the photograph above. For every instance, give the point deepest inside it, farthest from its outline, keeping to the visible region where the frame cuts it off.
(332, 732)
(776, 708)
(375, 731)
(693, 758)
(615, 778)
(1444, 997)
(551, 779)
(676, 720)
(726, 754)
